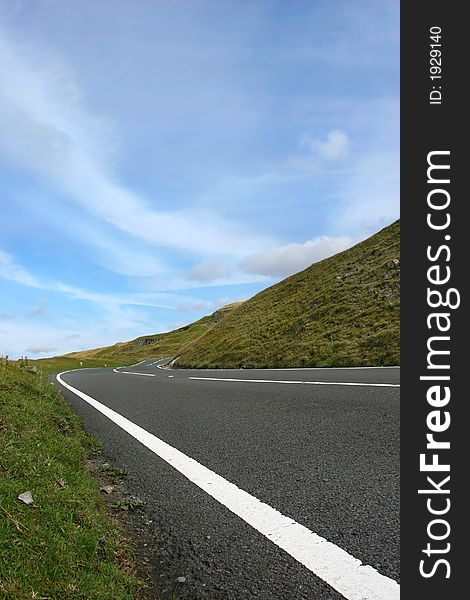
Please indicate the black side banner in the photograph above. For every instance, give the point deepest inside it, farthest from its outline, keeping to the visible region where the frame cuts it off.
(434, 293)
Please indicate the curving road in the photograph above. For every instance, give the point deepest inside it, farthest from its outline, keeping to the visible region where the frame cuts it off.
(318, 447)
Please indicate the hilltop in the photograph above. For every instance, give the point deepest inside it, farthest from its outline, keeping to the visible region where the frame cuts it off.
(342, 311)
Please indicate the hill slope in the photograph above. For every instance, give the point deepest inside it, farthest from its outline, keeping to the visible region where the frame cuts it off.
(158, 344)
(342, 311)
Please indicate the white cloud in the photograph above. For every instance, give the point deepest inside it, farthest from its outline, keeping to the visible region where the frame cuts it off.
(318, 152)
(10, 270)
(333, 147)
(209, 270)
(291, 258)
(40, 349)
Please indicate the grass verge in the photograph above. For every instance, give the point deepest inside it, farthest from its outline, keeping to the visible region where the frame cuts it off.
(57, 364)
(64, 545)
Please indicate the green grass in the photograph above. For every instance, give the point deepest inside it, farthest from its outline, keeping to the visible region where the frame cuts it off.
(47, 366)
(65, 545)
(342, 311)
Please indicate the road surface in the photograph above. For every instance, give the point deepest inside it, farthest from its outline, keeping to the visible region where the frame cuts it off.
(268, 484)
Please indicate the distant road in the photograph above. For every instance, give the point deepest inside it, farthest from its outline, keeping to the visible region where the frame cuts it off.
(273, 484)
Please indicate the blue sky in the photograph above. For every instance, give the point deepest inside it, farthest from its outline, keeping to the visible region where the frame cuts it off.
(161, 159)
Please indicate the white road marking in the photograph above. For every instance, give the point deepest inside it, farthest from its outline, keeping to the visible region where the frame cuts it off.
(327, 561)
(394, 385)
(139, 363)
(133, 373)
(128, 366)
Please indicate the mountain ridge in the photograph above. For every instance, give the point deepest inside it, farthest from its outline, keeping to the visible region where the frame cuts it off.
(341, 311)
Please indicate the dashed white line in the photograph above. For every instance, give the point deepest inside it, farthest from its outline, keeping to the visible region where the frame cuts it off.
(393, 385)
(134, 365)
(134, 373)
(327, 561)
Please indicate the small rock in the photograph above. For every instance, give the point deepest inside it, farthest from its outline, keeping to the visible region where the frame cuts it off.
(180, 580)
(26, 497)
(111, 471)
(108, 489)
(130, 503)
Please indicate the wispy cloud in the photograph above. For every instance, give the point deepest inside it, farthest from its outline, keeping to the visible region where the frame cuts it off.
(48, 131)
(14, 272)
(10, 270)
(146, 175)
(115, 251)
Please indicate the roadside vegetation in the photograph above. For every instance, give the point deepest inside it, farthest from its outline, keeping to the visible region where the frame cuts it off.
(64, 544)
(57, 364)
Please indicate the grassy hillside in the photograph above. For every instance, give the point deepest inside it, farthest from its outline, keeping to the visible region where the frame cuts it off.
(342, 311)
(158, 344)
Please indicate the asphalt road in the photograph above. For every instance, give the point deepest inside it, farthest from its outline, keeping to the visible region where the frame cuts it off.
(320, 446)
